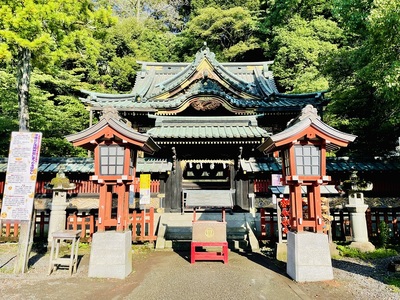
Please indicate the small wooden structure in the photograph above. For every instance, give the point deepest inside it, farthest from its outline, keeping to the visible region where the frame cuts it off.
(304, 145)
(115, 146)
(72, 260)
(208, 234)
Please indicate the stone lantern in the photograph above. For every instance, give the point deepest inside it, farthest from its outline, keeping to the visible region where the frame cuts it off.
(60, 185)
(357, 209)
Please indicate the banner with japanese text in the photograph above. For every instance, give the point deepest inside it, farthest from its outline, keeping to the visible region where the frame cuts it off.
(144, 189)
(22, 170)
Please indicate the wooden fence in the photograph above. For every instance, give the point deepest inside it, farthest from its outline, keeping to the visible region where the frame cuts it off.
(340, 225)
(143, 227)
(87, 187)
(142, 224)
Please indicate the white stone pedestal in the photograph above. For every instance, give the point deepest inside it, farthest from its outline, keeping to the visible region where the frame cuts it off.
(308, 257)
(111, 255)
(57, 216)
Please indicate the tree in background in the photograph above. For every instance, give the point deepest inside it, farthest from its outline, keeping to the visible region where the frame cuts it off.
(230, 33)
(46, 36)
(365, 75)
(172, 13)
(299, 35)
(301, 47)
(347, 46)
(126, 43)
(196, 5)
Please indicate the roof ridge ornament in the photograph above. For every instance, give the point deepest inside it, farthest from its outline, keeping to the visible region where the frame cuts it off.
(205, 52)
(309, 112)
(110, 112)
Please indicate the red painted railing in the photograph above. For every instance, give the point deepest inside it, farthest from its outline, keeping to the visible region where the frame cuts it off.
(261, 186)
(88, 187)
(83, 222)
(9, 232)
(143, 226)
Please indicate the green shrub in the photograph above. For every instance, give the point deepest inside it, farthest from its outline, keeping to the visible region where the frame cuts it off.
(378, 253)
(384, 234)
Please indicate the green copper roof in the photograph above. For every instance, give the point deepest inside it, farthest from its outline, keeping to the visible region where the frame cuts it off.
(270, 164)
(248, 85)
(242, 127)
(262, 164)
(278, 102)
(86, 165)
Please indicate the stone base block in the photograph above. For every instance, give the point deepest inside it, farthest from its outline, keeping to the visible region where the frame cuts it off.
(281, 252)
(363, 246)
(111, 255)
(308, 257)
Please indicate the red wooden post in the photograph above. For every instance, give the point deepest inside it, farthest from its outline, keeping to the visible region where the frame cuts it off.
(8, 229)
(142, 225)
(151, 224)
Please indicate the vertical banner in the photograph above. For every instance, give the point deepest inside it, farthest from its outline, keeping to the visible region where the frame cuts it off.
(144, 189)
(276, 179)
(22, 169)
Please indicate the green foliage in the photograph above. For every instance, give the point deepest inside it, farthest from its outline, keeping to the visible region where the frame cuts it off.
(8, 110)
(364, 76)
(302, 45)
(229, 33)
(124, 44)
(384, 234)
(350, 47)
(355, 253)
(45, 28)
(197, 5)
(351, 15)
(280, 12)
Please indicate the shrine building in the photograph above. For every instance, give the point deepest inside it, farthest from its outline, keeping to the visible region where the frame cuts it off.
(208, 118)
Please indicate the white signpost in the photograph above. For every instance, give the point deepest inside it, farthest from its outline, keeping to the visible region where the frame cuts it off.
(19, 189)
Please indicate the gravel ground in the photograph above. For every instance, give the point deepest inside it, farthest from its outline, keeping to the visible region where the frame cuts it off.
(366, 279)
(246, 276)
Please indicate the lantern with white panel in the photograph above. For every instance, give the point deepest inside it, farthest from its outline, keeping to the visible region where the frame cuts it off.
(115, 147)
(303, 146)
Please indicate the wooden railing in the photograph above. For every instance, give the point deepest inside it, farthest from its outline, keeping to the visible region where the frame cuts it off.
(88, 187)
(143, 227)
(9, 232)
(84, 222)
(261, 185)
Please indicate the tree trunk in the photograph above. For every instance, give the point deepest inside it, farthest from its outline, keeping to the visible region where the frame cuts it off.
(26, 228)
(23, 82)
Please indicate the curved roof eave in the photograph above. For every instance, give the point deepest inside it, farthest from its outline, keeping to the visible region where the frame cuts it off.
(278, 140)
(149, 145)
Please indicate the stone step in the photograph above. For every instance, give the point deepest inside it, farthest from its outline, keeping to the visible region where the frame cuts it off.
(175, 230)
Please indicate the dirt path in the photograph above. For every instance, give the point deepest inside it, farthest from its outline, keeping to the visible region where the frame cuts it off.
(169, 275)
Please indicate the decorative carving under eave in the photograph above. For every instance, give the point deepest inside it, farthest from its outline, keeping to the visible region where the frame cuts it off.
(204, 105)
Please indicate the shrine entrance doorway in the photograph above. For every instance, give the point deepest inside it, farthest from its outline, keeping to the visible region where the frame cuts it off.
(207, 176)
